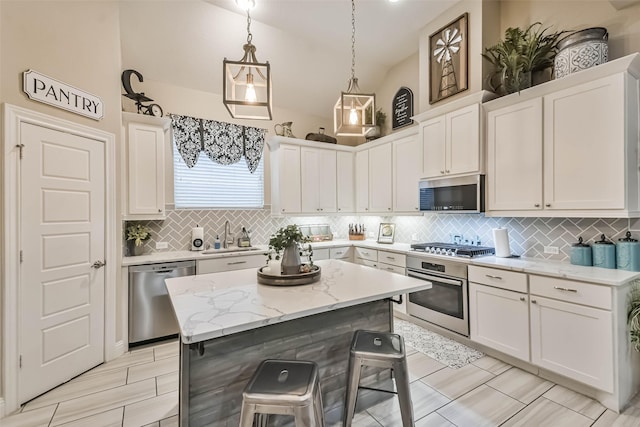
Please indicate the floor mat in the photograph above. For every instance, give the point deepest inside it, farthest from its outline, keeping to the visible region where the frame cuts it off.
(446, 351)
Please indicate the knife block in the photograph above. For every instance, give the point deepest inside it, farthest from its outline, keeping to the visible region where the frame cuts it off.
(356, 236)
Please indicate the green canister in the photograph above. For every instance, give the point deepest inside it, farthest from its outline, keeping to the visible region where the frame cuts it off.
(581, 253)
(628, 253)
(604, 253)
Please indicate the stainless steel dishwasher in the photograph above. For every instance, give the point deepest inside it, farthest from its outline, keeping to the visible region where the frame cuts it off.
(151, 315)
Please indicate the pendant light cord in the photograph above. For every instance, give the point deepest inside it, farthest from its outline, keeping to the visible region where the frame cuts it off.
(353, 39)
(249, 35)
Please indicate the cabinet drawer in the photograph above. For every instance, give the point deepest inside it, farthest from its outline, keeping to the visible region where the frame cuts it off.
(230, 263)
(570, 291)
(391, 268)
(503, 279)
(367, 262)
(318, 254)
(341, 252)
(365, 253)
(399, 260)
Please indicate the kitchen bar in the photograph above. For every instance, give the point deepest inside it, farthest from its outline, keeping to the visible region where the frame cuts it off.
(229, 323)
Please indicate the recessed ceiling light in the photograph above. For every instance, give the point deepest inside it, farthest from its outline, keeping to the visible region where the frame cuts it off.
(393, 1)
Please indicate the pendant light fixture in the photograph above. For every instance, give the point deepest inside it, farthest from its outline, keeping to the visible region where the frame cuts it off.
(247, 83)
(354, 113)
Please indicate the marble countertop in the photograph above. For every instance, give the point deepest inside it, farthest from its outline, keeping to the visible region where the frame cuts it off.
(561, 269)
(218, 304)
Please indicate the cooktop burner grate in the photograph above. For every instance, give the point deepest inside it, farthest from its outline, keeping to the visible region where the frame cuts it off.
(452, 249)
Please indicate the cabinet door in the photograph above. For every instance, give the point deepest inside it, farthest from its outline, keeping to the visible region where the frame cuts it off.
(345, 186)
(216, 265)
(380, 179)
(318, 180)
(584, 146)
(463, 140)
(289, 185)
(407, 170)
(488, 309)
(573, 340)
(362, 181)
(146, 170)
(433, 151)
(514, 157)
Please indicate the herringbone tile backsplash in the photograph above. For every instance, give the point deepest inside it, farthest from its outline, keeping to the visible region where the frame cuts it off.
(527, 236)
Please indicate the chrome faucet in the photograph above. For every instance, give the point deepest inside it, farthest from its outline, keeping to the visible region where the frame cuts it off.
(228, 238)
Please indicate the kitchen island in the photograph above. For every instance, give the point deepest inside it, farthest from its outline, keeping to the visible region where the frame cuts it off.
(229, 323)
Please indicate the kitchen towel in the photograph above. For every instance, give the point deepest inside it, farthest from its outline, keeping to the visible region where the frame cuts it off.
(501, 242)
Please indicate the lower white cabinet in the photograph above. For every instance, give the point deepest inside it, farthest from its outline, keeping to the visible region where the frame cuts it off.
(573, 340)
(319, 254)
(499, 319)
(216, 265)
(344, 253)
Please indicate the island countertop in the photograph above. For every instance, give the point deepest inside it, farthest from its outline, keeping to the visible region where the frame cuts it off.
(213, 305)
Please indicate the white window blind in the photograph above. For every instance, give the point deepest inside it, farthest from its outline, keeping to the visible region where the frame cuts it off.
(215, 186)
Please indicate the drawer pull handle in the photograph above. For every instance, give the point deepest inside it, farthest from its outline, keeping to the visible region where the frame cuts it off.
(236, 262)
(390, 268)
(365, 253)
(534, 301)
(522, 298)
(338, 253)
(493, 277)
(565, 289)
(391, 257)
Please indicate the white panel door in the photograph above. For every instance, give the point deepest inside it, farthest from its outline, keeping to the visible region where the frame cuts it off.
(433, 143)
(380, 179)
(407, 170)
(62, 233)
(514, 157)
(345, 186)
(463, 140)
(362, 181)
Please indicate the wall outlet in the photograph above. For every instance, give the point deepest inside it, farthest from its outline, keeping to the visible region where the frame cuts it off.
(551, 250)
(162, 245)
(414, 237)
(371, 234)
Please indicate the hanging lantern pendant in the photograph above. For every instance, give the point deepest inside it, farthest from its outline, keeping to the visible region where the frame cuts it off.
(247, 84)
(354, 112)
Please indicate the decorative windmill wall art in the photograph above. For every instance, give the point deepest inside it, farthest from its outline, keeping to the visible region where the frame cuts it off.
(448, 60)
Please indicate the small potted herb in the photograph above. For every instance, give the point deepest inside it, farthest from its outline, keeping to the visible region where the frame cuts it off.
(136, 235)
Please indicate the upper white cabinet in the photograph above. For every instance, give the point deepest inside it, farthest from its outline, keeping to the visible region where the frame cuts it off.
(147, 140)
(362, 181)
(319, 174)
(380, 179)
(567, 147)
(345, 188)
(451, 143)
(407, 170)
(289, 182)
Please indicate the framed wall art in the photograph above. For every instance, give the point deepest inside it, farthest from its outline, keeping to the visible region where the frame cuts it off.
(387, 232)
(448, 65)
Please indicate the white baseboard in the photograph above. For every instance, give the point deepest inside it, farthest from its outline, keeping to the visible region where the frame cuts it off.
(117, 350)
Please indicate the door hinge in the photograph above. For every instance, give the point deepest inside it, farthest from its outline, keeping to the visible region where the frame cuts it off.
(20, 361)
(21, 258)
(21, 147)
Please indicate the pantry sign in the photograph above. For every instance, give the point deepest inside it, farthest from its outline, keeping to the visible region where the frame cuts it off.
(53, 92)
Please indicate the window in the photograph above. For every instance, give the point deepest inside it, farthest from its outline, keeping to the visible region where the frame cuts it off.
(215, 186)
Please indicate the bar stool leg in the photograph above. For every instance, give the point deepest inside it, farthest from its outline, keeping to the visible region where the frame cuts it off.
(400, 372)
(355, 366)
(247, 414)
(318, 408)
(303, 415)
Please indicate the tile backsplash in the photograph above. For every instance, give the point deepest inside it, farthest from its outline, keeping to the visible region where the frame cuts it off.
(527, 236)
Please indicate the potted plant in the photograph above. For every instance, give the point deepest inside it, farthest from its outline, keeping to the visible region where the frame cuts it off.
(521, 53)
(633, 315)
(381, 119)
(136, 235)
(288, 241)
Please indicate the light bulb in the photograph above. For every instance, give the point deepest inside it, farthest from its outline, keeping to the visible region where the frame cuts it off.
(353, 116)
(250, 93)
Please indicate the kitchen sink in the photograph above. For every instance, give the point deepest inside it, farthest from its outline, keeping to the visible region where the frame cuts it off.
(230, 249)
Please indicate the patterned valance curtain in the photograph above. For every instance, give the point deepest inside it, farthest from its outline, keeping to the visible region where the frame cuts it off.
(223, 143)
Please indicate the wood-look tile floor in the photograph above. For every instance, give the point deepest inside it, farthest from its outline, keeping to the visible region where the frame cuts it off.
(140, 388)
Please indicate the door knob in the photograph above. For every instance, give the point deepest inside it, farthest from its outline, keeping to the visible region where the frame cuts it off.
(98, 264)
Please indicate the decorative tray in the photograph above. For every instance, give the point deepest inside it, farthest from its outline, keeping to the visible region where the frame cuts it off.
(289, 279)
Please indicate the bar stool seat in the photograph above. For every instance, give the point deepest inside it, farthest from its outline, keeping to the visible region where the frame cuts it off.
(284, 387)
(382, 350)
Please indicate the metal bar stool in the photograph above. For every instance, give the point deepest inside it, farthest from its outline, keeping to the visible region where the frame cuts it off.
(383, 350)
(283, 387)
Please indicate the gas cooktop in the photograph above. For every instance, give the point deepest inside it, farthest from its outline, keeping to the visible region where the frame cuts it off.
(452, 249)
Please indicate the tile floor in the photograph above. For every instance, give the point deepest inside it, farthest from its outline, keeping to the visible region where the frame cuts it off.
(140, 388)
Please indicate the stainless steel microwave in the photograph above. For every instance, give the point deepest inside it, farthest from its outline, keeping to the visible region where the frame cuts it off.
(463, 194)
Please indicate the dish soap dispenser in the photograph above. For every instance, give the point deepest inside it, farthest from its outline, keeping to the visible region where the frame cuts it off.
(244, 241)
(216, 243)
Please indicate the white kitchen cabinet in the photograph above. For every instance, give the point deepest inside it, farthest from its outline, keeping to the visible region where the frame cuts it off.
(319, 254)
(514, 157)
(229, 263)
(318, 180)
(407, 170)
(147, 139)
(380, 178)
(567, 148)
(362, 181)
(344, 253)
(289, 181)
(451, 143)
(345, 185)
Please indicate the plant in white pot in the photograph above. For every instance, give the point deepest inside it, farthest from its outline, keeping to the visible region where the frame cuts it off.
(288, 241)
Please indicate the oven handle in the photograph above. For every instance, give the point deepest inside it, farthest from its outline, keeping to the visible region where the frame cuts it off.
(412, 273)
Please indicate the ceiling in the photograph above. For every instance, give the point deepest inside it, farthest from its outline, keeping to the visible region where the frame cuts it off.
(307, 43)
